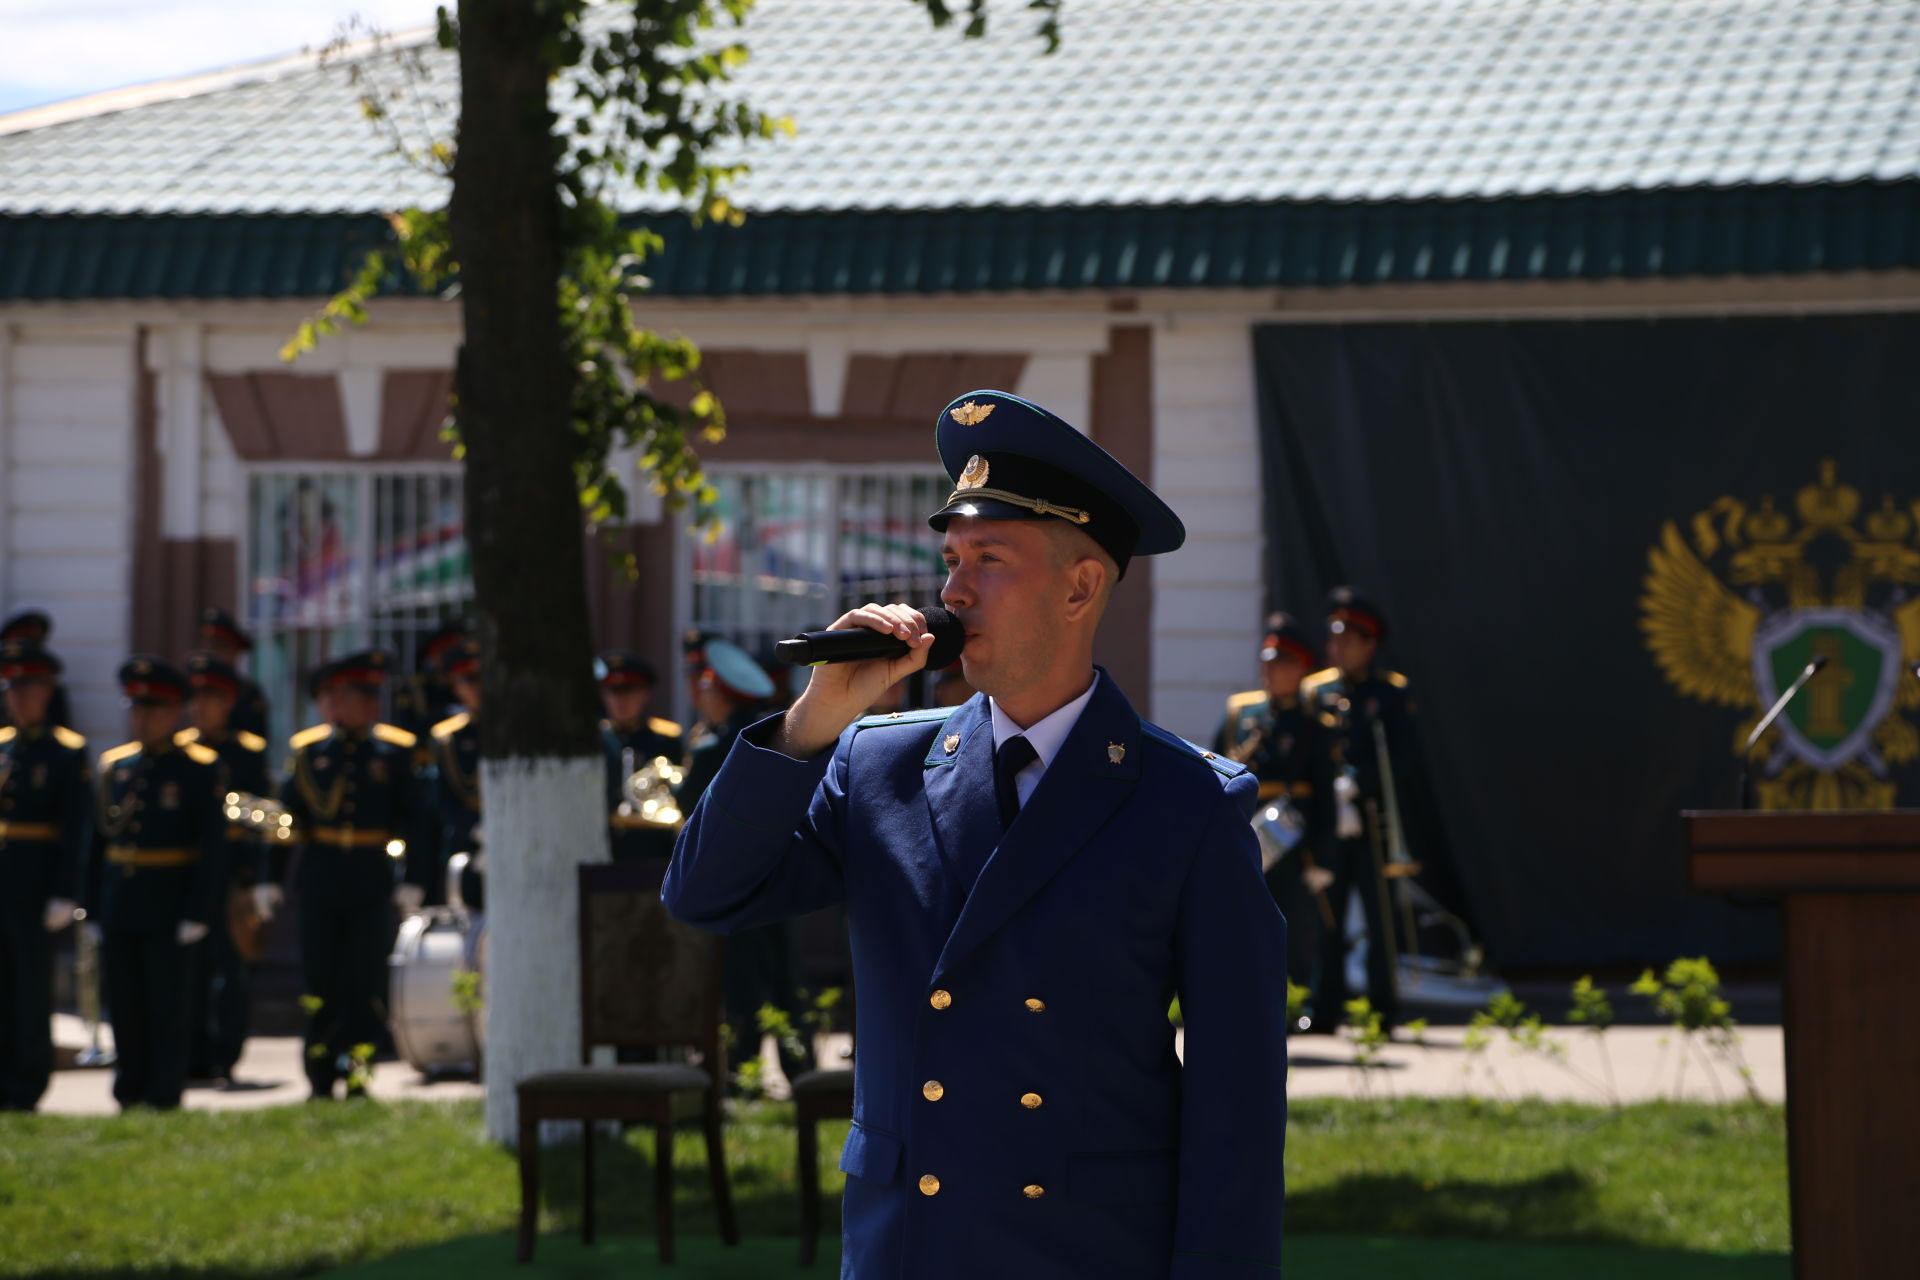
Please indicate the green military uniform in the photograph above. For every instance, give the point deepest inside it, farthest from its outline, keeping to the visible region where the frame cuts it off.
(456, 794)
(352, 795)
(223, 997)
(1273, 738)
(46, 823)
(159, 862)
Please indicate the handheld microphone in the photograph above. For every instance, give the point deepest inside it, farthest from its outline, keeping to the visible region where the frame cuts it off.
(1766, 722)
(859, 644)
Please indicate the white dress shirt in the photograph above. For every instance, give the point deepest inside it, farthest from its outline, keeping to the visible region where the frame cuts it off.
(1047, 736)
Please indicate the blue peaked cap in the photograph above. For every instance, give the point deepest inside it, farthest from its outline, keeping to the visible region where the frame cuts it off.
(1009, 459)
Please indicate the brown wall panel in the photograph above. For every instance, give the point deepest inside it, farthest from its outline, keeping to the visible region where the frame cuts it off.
(281, 416)
(1123, 426)
(413, 407)
(636, 613)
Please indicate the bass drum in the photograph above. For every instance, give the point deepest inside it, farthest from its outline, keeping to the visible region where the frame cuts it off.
(430, 1029)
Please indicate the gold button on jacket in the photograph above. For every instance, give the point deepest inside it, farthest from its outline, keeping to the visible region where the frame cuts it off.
(1036, 1006)
(1029, 1100)
(929, 1185)
(933, 1090)
(1034, 1191)
(940, 999)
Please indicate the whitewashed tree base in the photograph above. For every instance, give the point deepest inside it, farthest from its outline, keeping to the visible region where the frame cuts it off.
(544, 817)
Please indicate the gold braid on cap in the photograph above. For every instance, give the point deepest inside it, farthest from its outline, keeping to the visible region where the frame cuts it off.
(1039, 506)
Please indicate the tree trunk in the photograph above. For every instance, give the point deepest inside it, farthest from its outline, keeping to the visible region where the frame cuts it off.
(540, 773)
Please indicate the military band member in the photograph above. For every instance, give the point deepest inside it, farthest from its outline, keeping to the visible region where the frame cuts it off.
(1350, 698)
(1268, 731)
(456, 780)
(223, 996)
(35, 626)
(158, 870)
(227, 640)
(630, 738)
(730, 692)
(46, 824)
(1029, 879)
(352, 796)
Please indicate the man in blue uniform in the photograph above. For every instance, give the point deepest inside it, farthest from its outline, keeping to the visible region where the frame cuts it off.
(46, 823)
(227, 640)
(456, 781)
(351, 795)
(630, 739)
(1272, 734)
(34, 626)
(223, 996)
(1030, 879)
(157, 873)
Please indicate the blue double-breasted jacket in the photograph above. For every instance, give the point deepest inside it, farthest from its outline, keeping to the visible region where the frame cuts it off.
(1019, 1107)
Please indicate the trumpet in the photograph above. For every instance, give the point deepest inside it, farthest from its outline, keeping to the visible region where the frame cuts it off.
(648, 798)
(257, 813)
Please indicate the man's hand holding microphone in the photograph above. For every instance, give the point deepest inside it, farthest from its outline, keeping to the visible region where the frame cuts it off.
(843, 685)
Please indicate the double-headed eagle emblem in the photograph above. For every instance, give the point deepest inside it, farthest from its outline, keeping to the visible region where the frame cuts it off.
(1740, 602)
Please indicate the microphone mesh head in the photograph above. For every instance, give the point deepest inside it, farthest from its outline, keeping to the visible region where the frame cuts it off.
(948, 637)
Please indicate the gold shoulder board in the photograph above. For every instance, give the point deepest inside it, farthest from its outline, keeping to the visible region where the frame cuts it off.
(665, 728)
(8, 733)
(1313, 683)
(1397, 680)
(307, 737)
(251, 741)
(450, 726)
(186, 736)
(69, 739)
(204, 755)
(1241, 701)
(394, 734)
(119, 753)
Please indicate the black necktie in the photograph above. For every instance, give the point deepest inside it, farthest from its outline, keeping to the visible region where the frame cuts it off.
(1014, 755)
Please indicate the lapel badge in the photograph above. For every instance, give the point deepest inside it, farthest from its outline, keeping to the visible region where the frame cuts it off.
(974, 475)
(1115, 752)
(952, 744)
(971, 414)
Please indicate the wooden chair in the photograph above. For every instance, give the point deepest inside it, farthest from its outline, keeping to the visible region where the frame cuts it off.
(817, 1096)
(646, 982)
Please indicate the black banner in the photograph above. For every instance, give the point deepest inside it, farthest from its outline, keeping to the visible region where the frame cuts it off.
(1602, 545)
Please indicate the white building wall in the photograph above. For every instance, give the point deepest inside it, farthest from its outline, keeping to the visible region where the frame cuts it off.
(1208, 596)
(66, 464)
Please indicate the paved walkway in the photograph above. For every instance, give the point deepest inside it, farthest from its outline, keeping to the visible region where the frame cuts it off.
(1641, 1062)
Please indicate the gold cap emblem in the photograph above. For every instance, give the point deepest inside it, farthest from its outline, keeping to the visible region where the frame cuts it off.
(971, 414)
(1115, 752)
(974, 475)
(952, 744)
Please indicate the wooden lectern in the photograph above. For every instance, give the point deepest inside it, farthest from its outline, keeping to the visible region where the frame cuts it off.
(1849, 886)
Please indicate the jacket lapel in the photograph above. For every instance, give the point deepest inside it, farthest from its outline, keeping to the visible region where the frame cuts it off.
(959, 792)
(1092, 776)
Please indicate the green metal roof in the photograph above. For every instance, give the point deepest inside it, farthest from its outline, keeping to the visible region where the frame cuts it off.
(1168, 143)
(1738, 231)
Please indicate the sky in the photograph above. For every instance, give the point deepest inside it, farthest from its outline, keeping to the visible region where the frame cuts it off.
(56, 49)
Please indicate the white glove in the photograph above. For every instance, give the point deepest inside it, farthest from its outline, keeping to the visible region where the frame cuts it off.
(266, 900)
(1317, 879)
(409, 897)
(1347, 824)
(61, 912)
(189, 932)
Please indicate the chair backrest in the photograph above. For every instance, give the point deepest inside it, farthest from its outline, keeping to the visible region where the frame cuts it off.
(646, 980)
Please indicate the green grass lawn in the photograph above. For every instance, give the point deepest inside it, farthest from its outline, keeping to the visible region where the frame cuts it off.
(304, 1190)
